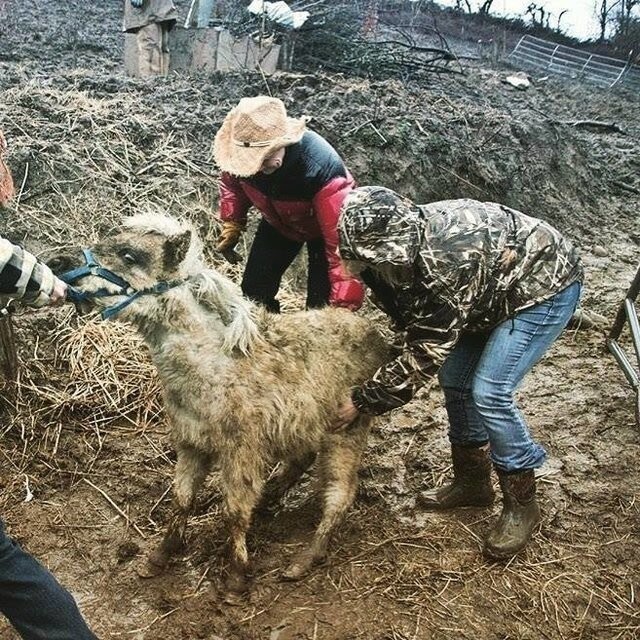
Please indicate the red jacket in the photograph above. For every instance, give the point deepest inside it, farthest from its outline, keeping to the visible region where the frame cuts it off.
(302, 200)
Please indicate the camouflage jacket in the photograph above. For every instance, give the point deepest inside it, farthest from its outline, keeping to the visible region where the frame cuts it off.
(464, 265)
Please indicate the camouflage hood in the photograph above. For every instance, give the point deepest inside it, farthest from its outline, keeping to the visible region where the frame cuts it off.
(379, 226)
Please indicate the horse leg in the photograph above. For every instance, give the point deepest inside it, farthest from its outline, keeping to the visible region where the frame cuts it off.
(243, 480)
(279, 484)
(339, 463)
(192, 467)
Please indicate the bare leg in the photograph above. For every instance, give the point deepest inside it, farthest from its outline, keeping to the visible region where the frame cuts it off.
(192, 468)
(339, 463)
(277, 486)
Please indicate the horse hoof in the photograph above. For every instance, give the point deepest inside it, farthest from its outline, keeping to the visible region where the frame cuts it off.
(294, 572)
(300, 566)
(234, 599)
(235, 584)
(153, 565)
(149, 569)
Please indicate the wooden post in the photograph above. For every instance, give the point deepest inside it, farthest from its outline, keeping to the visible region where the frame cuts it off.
(8, 353)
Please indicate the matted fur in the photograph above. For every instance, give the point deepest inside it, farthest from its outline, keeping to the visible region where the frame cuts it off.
(242, 386)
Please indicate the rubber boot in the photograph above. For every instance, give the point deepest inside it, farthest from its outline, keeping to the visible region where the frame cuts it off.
(519, 518)
(471, 486)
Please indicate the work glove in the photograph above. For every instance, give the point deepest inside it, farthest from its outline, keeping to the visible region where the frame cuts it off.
(229, 236)
(347, 293)
(137, 3)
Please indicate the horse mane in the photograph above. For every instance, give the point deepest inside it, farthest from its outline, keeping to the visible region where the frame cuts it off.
(210, 288)
(217, 293)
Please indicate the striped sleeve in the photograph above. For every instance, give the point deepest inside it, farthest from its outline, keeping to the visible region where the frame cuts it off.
(23, 276)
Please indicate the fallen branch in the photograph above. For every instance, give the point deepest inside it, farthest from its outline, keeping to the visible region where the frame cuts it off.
(446, 54)
(596, 124)
(116, 507)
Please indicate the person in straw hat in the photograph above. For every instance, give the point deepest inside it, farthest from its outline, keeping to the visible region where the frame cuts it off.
(34, 602)
(480, 292)
(298, 182)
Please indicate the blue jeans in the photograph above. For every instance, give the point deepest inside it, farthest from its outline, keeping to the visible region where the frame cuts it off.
(33, 601)
(482, 373)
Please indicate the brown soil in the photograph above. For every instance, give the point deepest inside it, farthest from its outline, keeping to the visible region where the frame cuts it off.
(89, 145)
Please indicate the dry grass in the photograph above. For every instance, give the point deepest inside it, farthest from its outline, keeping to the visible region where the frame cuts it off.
(82, 162)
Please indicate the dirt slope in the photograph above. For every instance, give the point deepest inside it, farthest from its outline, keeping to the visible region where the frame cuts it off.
(89, 145)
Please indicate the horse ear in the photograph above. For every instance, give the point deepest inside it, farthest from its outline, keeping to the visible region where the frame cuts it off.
(175, 250)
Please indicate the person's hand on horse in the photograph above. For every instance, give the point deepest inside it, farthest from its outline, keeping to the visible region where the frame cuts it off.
(347, 413)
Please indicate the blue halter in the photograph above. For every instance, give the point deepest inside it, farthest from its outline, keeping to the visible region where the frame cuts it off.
(93, 268)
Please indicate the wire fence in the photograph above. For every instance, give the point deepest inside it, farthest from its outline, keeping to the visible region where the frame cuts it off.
(574, 63)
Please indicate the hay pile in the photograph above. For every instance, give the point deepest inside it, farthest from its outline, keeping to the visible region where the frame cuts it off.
(81, 163)
(80, 377)
(100, 371)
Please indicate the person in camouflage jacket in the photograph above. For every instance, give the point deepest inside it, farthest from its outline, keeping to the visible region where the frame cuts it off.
(480, 292)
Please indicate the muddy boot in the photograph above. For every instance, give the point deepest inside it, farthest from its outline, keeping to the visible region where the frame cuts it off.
(471, 486)
(520, 515)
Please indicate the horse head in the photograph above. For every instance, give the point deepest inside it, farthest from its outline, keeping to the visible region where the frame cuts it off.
(150, 253)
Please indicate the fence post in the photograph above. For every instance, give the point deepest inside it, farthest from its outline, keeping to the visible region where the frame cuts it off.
(586, 64)
(516, 47)
(553, 53)
(620, 75)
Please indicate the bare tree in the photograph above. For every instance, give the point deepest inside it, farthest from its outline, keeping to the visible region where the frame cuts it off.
(560, 18)
(624, 17)
(540, 17)
(604, 13)
(485, 7)
(467, 4)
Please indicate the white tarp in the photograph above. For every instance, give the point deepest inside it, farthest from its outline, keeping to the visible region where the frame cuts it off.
(279, 12)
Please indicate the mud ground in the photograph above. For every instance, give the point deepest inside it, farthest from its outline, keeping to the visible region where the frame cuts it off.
(89, 145)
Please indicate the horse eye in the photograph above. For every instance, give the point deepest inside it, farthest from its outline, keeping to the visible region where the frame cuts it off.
(129, 257)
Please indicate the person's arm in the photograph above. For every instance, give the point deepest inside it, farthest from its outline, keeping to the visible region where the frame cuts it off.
(234, 205)
(234, 202)
(346, 290)
(429, 340)
(24, 277)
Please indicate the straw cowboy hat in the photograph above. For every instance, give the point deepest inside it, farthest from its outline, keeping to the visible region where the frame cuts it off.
(252, 131)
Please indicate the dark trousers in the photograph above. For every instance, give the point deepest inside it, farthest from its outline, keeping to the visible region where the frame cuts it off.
(271, 255)
(32, 599)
